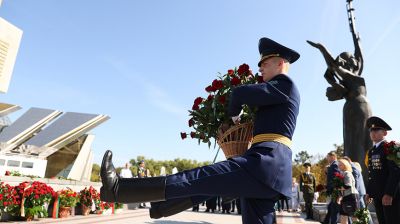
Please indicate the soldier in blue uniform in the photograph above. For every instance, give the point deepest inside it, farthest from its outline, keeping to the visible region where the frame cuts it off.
(259, 177)
(383, 175)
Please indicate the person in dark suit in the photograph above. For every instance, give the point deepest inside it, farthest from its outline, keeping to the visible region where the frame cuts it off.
(259, 176)
(332, 216)
(383, 175)
(307, 186)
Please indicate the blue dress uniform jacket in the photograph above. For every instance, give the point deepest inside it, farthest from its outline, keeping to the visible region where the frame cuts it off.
(278, 103)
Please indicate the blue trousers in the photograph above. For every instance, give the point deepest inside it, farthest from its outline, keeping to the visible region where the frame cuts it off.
(226, 178)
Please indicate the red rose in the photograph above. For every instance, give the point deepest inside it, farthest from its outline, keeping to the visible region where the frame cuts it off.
(260, 79)
(231, 72)
(8, 173)
(192, 134)
(210, 97)
(210, 89)
(235, 81)
(183, 135)
(337, 174)
(191, 122)
(217, 84)
(243, 69)
(198, 100)
(195, 107)
(386, 151)
(221, 99)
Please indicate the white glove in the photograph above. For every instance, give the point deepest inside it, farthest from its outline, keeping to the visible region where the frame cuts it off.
(236, 119)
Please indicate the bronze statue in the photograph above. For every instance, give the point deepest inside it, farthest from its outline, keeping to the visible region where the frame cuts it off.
(344, 76)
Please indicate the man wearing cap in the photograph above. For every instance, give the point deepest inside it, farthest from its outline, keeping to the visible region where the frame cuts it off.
(307, 186)
(259, 177)
(383, 175)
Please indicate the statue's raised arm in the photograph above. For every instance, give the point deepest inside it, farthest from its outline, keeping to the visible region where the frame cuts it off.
(356, 40)
(330, 61)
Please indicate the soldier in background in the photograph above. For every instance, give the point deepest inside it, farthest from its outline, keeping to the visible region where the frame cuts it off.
(307, 186)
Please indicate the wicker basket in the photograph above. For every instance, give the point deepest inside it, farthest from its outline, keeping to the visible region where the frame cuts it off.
(236, 140)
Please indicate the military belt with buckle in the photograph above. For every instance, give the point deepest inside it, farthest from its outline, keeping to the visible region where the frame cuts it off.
(272, 138)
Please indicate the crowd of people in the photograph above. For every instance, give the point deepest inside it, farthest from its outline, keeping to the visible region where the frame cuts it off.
(383, 187)
(345, 188)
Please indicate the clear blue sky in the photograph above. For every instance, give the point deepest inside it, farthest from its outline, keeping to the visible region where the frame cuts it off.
(143, 63)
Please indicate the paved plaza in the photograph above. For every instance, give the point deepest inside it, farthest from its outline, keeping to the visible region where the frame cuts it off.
(141, 216)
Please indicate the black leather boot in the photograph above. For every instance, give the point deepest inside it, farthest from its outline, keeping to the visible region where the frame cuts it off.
(128, 190)
(169, 207)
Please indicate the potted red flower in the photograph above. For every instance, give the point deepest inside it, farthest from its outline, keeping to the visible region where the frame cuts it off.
(87, 197)
(68, 199)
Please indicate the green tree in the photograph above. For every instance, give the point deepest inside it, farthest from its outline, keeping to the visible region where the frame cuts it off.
(95, 176)
(339, 150)
(302, 157)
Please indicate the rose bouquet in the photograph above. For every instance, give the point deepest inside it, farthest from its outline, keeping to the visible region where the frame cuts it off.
(6, 197)
(35, 196)
(88, 196)
(209, 116)
(338, 184)
(392, 151)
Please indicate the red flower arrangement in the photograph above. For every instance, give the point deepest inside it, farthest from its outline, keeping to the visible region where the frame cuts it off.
(27, 199)
(68, 198)
(105, 205)
(210, 113)
(35, 195)
(392, 151)
(338, 184)
(89, 195)
(7, 198)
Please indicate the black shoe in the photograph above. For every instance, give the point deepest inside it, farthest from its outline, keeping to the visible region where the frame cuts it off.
(128, 190)
(109, 178)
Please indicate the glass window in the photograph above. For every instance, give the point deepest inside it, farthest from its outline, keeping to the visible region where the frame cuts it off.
(13, 163)
(27, 164)
(2, 162)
